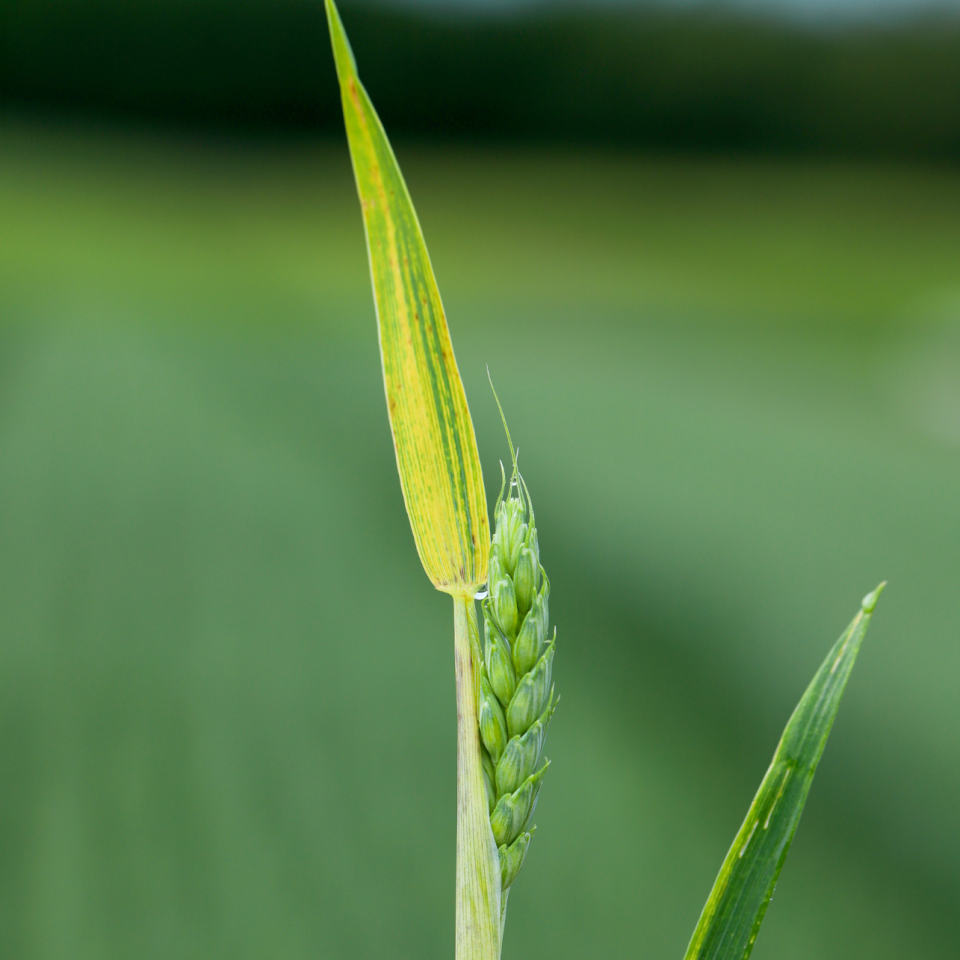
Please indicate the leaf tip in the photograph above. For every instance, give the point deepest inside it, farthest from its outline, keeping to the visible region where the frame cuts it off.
(342, 52)
(870, 600)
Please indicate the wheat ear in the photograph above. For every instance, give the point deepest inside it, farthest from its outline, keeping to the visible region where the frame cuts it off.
(516, 697)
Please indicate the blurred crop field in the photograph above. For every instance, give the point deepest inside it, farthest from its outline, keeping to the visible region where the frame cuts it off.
(227, 723)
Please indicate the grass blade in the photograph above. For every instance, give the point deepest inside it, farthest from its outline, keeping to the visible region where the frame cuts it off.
(432, 431)
(734, 911)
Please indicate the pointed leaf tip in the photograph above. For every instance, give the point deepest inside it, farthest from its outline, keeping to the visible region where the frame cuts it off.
(342, 52)
(870, 600)
(433, 434)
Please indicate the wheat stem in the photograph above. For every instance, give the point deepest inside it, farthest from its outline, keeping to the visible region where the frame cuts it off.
(478, 861)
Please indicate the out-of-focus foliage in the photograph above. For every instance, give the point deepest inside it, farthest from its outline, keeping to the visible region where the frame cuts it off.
(226, 725)
(689, 79)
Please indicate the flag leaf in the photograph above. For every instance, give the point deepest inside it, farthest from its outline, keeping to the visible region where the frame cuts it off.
(432, 430)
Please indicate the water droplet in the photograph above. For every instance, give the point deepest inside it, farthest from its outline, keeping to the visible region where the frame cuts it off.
(481, 594)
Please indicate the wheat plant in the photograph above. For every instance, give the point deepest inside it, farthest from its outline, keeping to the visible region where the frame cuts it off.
(505, 696)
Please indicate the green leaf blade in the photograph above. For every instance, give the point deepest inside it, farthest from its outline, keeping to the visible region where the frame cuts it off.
(732, 916)
(433, 434)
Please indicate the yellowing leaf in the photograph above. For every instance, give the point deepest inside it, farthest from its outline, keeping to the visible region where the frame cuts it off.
(432, 431)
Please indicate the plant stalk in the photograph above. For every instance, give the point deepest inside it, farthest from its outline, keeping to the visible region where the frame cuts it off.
(478, 862)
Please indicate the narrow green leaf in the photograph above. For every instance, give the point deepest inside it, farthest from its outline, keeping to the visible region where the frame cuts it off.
(432, 431)
(732, 916)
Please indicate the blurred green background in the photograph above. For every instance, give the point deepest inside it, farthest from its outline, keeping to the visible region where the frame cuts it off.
(227, 723)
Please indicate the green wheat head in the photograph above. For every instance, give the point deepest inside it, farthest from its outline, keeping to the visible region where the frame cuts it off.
(516, 697)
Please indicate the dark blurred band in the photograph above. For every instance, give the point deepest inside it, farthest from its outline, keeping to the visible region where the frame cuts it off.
(696, 80)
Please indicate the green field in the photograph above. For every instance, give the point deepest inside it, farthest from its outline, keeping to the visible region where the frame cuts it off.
(226, 687)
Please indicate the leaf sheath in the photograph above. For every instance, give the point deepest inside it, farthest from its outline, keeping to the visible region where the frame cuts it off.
(478, 862)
